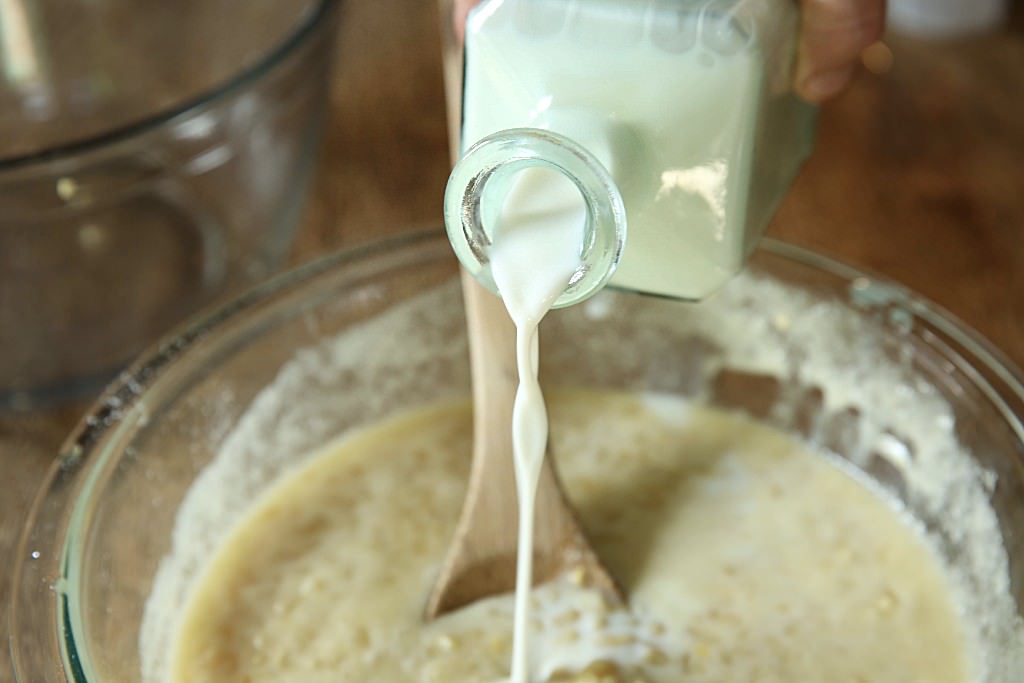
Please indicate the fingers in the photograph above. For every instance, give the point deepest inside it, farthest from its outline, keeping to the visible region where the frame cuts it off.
(832, 36)
(460, 9)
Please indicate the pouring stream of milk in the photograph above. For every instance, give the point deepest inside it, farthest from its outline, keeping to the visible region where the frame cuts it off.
(535, 252)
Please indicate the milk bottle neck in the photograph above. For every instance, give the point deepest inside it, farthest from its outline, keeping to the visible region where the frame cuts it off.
(481, 180)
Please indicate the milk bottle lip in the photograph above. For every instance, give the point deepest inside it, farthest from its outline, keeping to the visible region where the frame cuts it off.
(507, 152)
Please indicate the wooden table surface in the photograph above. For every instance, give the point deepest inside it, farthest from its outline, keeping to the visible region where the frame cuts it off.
(918, 175)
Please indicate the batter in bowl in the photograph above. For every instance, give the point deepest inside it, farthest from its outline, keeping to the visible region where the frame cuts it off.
(745, 556)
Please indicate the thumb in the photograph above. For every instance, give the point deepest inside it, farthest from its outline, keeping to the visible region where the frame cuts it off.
(460, 9)
(833, 34)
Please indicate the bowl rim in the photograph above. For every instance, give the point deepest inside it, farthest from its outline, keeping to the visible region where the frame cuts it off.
(178, 340)
(321, 13)
(79, 456)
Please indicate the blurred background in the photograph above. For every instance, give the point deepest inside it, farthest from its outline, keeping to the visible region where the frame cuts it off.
(918, 175)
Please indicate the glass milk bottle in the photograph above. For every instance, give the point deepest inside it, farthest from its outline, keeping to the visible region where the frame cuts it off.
(675, 120)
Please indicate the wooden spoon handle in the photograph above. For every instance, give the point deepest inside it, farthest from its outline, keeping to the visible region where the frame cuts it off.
(481, 559)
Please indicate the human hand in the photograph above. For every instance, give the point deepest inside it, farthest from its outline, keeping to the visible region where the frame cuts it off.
(833, 33)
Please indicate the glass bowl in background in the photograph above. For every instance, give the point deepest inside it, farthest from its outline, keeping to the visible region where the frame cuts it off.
(851, 364)
(153, 156)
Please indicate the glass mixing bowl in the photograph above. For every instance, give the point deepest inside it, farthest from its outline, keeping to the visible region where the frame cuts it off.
(848, 362)
(153, 157)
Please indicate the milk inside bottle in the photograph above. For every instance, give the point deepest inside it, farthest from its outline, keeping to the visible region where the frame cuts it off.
(687, 104)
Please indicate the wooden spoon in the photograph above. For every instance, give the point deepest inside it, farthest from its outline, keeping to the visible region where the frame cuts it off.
(481, 560)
